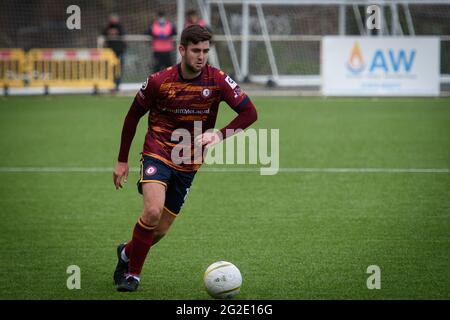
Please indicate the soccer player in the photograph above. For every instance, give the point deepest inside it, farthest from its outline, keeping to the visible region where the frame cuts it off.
(175, 98)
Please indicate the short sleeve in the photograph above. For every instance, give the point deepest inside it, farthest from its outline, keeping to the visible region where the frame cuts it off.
(231, 93)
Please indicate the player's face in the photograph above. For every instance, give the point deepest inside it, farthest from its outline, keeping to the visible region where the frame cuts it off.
(195, 56)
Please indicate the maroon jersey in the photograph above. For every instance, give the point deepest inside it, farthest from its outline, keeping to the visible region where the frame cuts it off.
(176, 103)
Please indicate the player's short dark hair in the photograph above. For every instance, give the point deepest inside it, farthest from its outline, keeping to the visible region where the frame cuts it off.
(195, 34)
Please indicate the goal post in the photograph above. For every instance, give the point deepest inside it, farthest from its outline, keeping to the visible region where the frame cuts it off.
(261, 41)
(279, 41)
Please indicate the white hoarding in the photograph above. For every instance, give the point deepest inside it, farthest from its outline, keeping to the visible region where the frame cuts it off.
(380, 66)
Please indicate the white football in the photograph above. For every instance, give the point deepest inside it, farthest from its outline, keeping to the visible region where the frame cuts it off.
(222, 280)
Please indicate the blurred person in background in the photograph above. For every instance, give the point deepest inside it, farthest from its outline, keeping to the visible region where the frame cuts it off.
(113, 33)
(162, 31)
(192, 17)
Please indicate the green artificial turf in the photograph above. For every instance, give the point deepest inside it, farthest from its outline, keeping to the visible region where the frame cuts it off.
(294, 235)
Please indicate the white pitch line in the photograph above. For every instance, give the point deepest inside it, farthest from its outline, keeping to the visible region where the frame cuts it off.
(234, 170)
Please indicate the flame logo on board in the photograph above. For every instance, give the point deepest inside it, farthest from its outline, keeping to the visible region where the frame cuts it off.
(356, 62)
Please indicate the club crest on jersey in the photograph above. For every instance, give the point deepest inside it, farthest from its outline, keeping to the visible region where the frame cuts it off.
(230, 82)
(150, 170)
(206, 92)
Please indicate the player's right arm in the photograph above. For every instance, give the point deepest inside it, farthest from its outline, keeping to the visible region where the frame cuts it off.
(135, 113)
(139, 107)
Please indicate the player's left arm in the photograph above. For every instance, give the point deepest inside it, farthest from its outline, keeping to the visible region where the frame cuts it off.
(239, 102)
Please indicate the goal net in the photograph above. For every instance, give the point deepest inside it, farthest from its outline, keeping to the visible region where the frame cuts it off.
(255, 40)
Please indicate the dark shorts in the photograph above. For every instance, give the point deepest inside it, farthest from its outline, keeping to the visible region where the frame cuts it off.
(177, 182)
